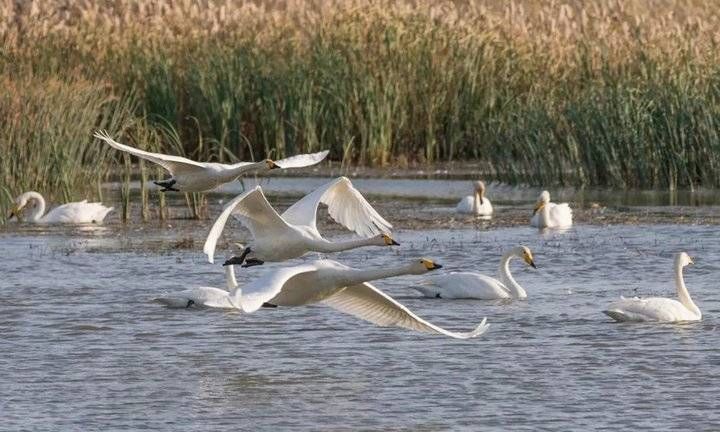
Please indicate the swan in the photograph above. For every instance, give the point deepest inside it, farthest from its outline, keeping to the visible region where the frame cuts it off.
(278, 238)
(476, 204)
(70, 213)
(345, 289)
(659, 308)
(205, 296)
(191, 176)
(474, 285)
(550, 215)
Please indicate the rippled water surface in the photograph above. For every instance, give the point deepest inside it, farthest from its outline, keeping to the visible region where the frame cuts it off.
(84, 347)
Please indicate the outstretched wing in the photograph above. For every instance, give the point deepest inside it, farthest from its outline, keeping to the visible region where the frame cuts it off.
(346, 206)
(174, 164)
(302, 160)
(366, 302)
(254, 212)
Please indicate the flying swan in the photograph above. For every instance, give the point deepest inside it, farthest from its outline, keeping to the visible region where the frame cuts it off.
(474, 285)
(278, 238)
(205, 296)
(659, 308)
(550, 215)
(71, 213)
(345, 289)
(191, 176)
(476, 204)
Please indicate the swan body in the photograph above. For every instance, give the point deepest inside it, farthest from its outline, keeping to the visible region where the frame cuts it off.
(191, 176)
(476, 204)
(71, 213)
(205, 296)
(345, 289)
(474, 285)
(550, 215)
(659, 308)
(294, 233)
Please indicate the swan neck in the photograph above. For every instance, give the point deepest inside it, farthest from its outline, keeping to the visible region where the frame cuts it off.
(357, 276)
(325, 246)
(36, 213)
(230, 280)
(515, 289)
(682, 292)
(476, 201)
(256, 166)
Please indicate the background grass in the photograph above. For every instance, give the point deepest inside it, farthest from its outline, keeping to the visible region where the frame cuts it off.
(621, 94)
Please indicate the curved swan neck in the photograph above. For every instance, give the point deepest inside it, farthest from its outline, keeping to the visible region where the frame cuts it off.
(476, 201)
(354, 276)
(36, 213)
(515, 289)
(682, 291)
(326, 246)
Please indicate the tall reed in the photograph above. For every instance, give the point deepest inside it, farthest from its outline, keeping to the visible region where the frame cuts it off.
(606, 93)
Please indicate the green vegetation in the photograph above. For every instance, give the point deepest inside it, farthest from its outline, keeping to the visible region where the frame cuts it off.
(623, 94)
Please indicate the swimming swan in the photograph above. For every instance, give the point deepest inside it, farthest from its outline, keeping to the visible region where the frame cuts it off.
(191, 176)
(345, 289)
(278, 238)
(70, 213)
(205, 296)
(474, 285)
(550, 215)
(659, 308)
(476, 204)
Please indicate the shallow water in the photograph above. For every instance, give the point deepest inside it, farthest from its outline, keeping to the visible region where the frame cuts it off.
(84, 348)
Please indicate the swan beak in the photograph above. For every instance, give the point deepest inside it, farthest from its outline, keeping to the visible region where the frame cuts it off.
(234, 261)
(436, 266)
(532, 264)
(15, 212)
(271, 164)
(389, 241)
(430, 264)
(538, 206)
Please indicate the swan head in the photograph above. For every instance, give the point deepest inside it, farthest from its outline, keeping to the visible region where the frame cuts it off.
(27, 199)
(386, 240)
(682, 259)
(271, 164)
(424, 265)
(525, 254)
(542, 200)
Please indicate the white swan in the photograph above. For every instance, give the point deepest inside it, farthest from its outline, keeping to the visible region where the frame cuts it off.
(205, 296)
(550, 215)
(476, 204)
(191, 176)
(70, 213)
(474, 285)
(278, 238)
(345, 289)
(659, 308)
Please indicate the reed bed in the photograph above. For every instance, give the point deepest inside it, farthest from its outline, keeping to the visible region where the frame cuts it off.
(611, 93)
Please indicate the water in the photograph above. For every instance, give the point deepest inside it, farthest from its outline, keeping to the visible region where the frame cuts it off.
(84, 348)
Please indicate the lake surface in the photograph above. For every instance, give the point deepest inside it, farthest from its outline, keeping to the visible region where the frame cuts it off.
(85, 348)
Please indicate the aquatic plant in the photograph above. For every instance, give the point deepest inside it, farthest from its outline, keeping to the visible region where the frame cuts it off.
(609, 93)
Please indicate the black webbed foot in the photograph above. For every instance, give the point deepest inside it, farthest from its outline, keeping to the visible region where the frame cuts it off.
(268, 305)
(190, 303)
(167, 185)
(252, 262)
(237, 260)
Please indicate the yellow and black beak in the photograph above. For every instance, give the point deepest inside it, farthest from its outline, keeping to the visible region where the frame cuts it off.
(532, 264)
(14, 212)
(389, 241)
(271, 164)
(430, 265)
(538, 206)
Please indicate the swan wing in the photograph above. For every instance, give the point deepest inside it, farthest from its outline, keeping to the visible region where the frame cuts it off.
(468, 285)
(366, 302)
(561, 214)
(77, 212)
(346, 206)
(302, 160)
(253, 295)
(254, 212)
(648, 309)
(174, 164)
